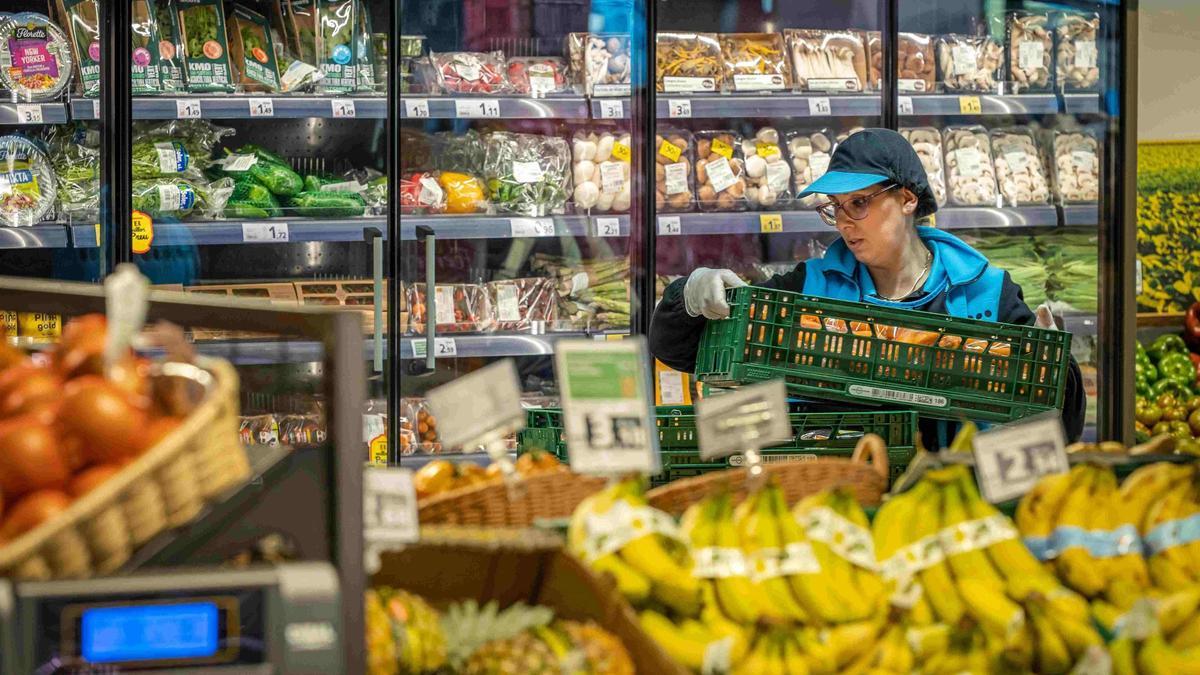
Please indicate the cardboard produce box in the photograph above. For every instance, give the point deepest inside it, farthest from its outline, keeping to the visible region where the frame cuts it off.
(451, 564)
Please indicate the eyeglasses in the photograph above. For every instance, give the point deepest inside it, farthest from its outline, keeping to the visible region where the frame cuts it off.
(856, 207)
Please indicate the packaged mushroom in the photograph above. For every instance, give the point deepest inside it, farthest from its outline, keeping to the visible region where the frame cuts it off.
(969, 63)
(827, 60)
(1020, 169)
(688, 62)
(599, 63)
(1078, 59)
(927, 141)
(600, 164)
(768, 174)
(755, 62)
(1076, 167)
(970, 176)
(810, 152)
(673, 190)
(720, 169)
(915, 65)
(843, 135)
(1030, 46)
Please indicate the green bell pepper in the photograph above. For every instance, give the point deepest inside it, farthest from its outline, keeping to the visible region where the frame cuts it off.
(1167, 344)
(1170, 386)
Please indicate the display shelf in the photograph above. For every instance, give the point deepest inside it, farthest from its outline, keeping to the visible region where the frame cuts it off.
(496, 345)
(243, 107)
(610, 108)
(46, 235)
(508, 227)
(750, 222)
(1081, 215)
(268, 231)
(502, 107)
(270, 351)
(33, 113)
(420, 459)
(988, 104)
(781, 104)
(1081, 103)
(958, 218)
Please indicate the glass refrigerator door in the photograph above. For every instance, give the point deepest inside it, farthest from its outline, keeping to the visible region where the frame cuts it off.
(520, 177)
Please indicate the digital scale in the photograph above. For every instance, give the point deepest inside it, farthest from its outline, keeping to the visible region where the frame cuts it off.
(283, 619)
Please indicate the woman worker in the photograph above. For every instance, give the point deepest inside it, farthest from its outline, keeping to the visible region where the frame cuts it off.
(877, 189)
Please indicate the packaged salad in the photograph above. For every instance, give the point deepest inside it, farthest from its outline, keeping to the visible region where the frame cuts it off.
(251, 51)
(459, 152)
(755, 62)
(335, 46)
(177, 198)
(28, 185)
(84, 25)
(74, 150)
(688, 62)
(206, 48)
(170, 47)
(601, 168)
(720, 169)
(470, 72)
(144, 67)
(527, 174)
(35, 57)
(673, 191)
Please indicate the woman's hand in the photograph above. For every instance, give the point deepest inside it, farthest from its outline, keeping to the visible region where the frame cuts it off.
(704, 292)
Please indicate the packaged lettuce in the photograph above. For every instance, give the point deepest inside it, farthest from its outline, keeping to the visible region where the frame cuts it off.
(364, 51)
(170, 157)
(252, 51)
(294, 74)
(206, 49)
(302, 15)
(166, 198)
(166, 23)
(35, 57)
(28, 186)
(336, 45)
(74, 150)
(83, 23)
(144, 67)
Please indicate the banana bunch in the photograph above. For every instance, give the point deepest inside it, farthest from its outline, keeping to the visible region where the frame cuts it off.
(647, 566)
(1156, 636)
(839, 533)
(1169, 493)
(779, 560)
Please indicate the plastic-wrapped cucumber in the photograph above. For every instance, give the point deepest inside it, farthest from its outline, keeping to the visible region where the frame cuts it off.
(328, 204)
(265, 167)
(167, 198)
(314, 183)
(28, 185)
(250, 199)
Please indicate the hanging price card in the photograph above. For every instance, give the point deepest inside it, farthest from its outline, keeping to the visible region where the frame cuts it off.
(494, 393)
(750, 418)
(1010, 459)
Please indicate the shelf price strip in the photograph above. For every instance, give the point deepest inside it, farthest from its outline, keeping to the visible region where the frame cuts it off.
(416, 108)
(29, 113)
(188, 109)
(265, 233)
(476, 108)
(343, 108)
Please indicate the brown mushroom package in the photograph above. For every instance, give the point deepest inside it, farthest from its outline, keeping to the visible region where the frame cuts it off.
(688, 62)
(970, 176)
(1030, 48)
(927, 142)
(1077, 57)
(1020, 167)
(915, 66)
(768, 174)
(599, 64)
(755, 62)
(720, 169)
(1076, 167)
(810, 152)
(673, 190)
(827, 60)
(969, 63)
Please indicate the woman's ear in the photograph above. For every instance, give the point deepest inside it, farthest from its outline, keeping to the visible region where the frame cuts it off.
(908, 201)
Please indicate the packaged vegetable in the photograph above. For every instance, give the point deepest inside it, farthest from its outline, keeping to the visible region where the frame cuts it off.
(74, 151)
(251, 200)
(527, 174)
(969, 63)
(470, 72)
(600, 63)
(84, 25)
(35, 57)
(810, 152)
(377, 196)
(412, 45)
(1077, 57)
(768, 174)
(144, 67)
(251, 51)
(673, 191)
(420, 193)
(364, 51)
(167, 198)
(294, 74)
(755, 62)
(688, 62)
(270, 170)
(28, 185)
(1076, 167)
(970, 175)
(335, 46)
(916, 68)
(927, 142)
(537, 76)
(518, 303)
(327, 204)
(302, 16)
(461, 152)
(166, 156)
(459, 308)
(1020, 168)
(206, 49)
(720, 168)
(170, 47)
(601, 169)
(827, 60)
(465, 193)
(1030, 47)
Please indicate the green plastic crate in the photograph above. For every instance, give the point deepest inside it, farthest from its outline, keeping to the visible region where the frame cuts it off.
(806, 341)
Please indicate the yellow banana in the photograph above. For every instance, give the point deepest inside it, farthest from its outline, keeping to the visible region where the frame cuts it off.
(1190, 508)
(794, 662)
(828, 594)
(868, 582)
(1144, 486)
(1170, 568)
(1123, 653)
(899, 658)
(936, 580)
(990, 607)
(694, 630)
(1077, 635)
(1055, 596)
(1156, 657)
(1187, 635)
(970, 564)
(688, 652)
(1106, 614)
(1075, 564)
(890, 533)
(631, 583)
(739, 599)
(927, 641)
(850, 641)
(1174, 609)
(820, 656)
(1128, 576)
(721, 626)
(758, 532)
(1052, 654)
(1010, 556)
(756, 661)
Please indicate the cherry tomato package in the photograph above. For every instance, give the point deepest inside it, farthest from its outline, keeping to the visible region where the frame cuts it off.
(520, 302)
(537, 76)
(471, 72)
(421, 193)
(459, 308)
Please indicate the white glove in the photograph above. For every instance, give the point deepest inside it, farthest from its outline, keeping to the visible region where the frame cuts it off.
(1042, 318)
(704, 292)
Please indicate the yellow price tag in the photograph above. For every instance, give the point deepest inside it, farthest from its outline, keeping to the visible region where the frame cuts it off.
(766, 150)
(722, 148)
(621, 152)
(97, 235)
(770, 223)
(670, 151)
(614, 336)
(10, 323)
(970, 105)
(379, 451)
(143, 232)
(36, 325)
(933, 220)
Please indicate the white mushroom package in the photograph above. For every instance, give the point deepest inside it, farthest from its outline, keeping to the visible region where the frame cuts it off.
(927, 142)
(600, 63)
(1077, 57)
(600, 165)
(1076, 167)
(969, 63)
(810, 152)
(1020, 168)
(768, 174)
(826, 60)
(970, 176)
(1030, 48)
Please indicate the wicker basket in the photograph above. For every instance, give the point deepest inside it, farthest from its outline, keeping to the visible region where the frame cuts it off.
(868, 481)
(545, 495)
(166, 487)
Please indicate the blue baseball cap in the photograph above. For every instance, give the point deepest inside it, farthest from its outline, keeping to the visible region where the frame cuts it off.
(871, 157)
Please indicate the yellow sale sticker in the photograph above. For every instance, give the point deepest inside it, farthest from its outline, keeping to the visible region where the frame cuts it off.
(722, 148)
(670, 151)
(10, 323)
(969, 105)
(770, 223)
(37, 325)
(621, 151)
(143, 232)
(379, 451)
(765, 150)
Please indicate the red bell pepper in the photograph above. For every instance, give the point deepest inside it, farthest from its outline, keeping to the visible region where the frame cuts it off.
(1191, 327)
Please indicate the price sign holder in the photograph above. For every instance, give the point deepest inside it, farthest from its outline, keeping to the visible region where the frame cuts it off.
(1010, 459)
(606, 399)
(744, 421)
(481, 409)
(389, 512)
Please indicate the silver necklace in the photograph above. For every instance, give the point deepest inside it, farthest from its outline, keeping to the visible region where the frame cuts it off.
(921, 278)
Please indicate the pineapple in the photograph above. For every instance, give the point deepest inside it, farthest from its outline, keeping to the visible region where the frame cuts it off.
(416, 633)
(524, 654)
(604, 653)
(493, 634)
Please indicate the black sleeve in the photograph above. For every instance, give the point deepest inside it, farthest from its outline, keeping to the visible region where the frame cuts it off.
(1014, 310)
(675, 337)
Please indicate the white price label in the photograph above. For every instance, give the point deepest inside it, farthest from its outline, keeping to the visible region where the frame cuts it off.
(608, 227)
(1137, 275)
(416, 108)
(261, 107)
(442, 347)
(343, 107)
(265, 232)
(750, 418)
(679, 107)
(95, 108)
(187, 109)
(818, 106)
(531, 227)
(1010, 459)
(469, 108)
(669, 226)
(905, 105)
(495, 395)
(29, 113)
(611, 110)
(389, 511)
(670, 387)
